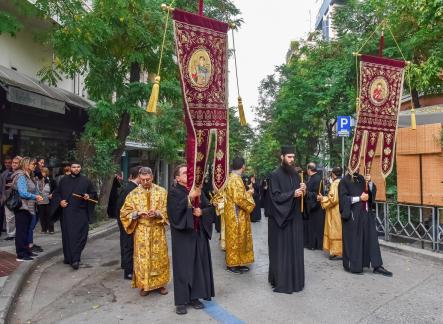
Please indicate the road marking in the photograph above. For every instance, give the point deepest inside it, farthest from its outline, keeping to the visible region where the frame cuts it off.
(220, 314)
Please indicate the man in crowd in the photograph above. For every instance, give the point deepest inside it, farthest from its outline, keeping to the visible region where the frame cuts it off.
(126, 240)
(6, 186)
(4, 173)
(360, 240)
(117, 184)
(285, 226)
(73, 196)
(191, 230)
(316, 215)
(237, 210)
(332, 239)
(144, 215)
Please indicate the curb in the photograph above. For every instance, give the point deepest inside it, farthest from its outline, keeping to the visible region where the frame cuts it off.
(410, 251)
(15, 282)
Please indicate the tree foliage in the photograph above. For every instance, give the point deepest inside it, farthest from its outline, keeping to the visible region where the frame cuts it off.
(299, 104)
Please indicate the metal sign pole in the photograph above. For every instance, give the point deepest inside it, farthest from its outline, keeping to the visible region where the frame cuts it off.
(343, 153)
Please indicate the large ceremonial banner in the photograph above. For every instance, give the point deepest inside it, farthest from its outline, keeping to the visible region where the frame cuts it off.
(381, 84)
(201, 48)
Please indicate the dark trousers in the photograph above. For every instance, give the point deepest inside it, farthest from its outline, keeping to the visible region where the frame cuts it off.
(2, 218)
(22, 223)
(43, 212)
(126, 249)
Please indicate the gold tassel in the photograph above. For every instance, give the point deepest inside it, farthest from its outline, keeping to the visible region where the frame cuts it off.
(241, 112)
(413, 121)
(153, 100)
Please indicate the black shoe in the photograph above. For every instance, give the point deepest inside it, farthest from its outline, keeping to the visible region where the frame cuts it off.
(335, 257)
(208, 299)
(10, 238)
(25, 258)
(65, 262)
(383, 271)
(243, 268)
(234, 270)
(75, 265)
(31, 254)
(181, 309)
(196, 304)
(36, 248)
(127, 276)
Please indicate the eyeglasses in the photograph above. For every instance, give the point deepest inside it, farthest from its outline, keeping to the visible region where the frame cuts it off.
(145, 180)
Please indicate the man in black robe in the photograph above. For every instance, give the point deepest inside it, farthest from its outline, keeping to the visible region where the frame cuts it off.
(285, 227)
(360, 239)
(256, 213)
(315, 222)
(126, 240)
(117, 185)
(191, 230)
(76, 213)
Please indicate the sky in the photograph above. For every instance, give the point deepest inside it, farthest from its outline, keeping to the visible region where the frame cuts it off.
(263, 41)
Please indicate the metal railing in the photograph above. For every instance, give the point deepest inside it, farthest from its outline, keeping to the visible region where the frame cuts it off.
(423, 224)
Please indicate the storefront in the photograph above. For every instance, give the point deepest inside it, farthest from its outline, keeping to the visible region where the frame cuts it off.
(37, 120)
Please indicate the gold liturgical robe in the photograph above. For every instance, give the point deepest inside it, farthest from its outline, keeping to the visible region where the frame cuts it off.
(332, 240)
(151, 261)
(218, 201)
(238, 206)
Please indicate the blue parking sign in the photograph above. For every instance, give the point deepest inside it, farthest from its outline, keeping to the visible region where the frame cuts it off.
(343, 126)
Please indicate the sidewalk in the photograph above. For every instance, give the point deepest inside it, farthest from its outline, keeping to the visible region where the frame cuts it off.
(13, 274)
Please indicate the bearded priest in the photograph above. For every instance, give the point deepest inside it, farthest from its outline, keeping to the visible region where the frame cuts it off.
(285, 226)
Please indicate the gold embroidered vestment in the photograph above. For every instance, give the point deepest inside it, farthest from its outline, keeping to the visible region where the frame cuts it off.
(332, 238)
(151, 261)
(238, 206)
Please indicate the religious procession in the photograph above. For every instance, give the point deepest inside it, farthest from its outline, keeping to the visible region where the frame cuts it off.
(177, 161)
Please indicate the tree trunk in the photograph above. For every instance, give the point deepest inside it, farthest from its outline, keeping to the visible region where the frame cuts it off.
(415, 98)
(122, 134)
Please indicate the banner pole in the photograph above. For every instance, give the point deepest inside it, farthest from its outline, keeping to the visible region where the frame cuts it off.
(200, 7)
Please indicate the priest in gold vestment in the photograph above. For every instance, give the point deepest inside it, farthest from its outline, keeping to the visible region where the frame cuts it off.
(144, 215)
(238, 207)
(332, 238)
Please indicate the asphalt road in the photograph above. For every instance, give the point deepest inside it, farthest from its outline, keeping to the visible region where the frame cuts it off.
(97, 292)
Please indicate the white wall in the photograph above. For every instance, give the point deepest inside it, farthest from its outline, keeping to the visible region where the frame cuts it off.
(24, 53)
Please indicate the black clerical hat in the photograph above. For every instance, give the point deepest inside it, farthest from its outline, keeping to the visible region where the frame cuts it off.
(287, 149)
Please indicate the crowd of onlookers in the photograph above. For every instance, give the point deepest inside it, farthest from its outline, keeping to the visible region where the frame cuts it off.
(25, 200)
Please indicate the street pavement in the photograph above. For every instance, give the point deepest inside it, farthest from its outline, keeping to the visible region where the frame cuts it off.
(97, 293)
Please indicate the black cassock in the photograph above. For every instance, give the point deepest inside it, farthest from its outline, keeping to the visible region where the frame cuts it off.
(285, 233)
(126, 240)
(112, 210)
(75, 217)
(360, 239)
(256, 213)
(315, 221)
(191, 254)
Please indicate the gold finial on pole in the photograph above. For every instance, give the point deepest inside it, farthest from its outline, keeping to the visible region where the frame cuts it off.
(165, 7)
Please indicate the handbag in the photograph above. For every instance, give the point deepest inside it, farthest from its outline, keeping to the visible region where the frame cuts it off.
(13, 202)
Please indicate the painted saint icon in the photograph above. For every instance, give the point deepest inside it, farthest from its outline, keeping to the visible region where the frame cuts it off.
(379, 91)
(200, 68)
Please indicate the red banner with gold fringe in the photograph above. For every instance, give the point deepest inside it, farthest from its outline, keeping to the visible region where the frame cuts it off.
(381, 84)
(201, 49)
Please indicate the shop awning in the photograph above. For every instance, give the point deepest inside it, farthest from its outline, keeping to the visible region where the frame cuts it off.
(25, 90)
(423, 116)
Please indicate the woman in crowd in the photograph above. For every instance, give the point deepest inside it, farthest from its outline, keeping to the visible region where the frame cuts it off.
(43, 207)
(23, 182)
